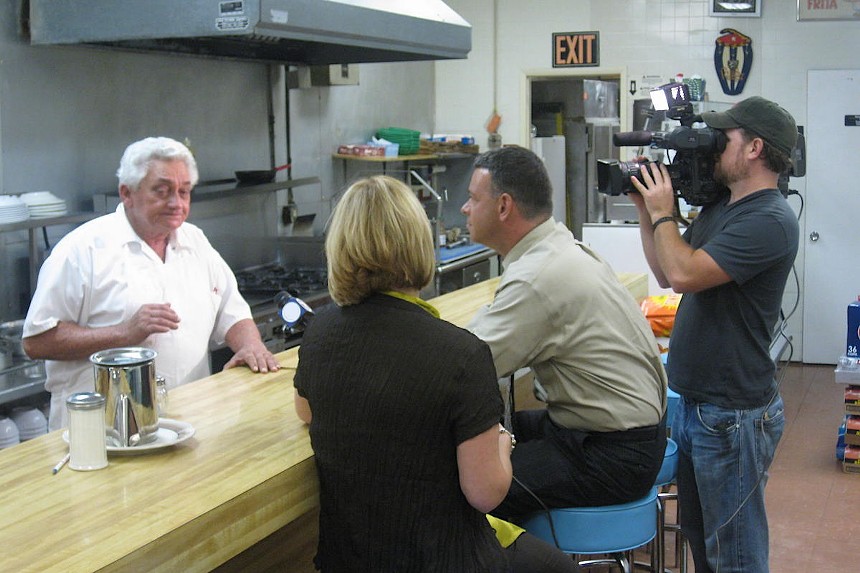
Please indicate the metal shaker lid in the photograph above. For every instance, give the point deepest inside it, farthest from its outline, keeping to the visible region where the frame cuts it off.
(131, 356)
(85, 401)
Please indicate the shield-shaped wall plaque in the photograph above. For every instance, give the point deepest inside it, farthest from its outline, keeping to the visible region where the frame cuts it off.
(733, 58)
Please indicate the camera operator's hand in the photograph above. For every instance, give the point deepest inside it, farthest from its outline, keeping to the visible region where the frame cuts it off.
(655, 191)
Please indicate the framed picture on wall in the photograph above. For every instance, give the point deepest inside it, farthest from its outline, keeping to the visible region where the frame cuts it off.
(748, 9)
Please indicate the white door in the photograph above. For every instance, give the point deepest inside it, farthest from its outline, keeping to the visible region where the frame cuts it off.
(832, 258)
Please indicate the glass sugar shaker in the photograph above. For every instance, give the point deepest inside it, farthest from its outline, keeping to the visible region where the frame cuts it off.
(161, 394)
(87, 446)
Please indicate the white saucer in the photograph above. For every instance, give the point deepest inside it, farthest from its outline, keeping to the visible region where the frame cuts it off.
(170, 433)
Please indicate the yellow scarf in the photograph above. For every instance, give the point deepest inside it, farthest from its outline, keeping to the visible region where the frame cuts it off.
(506, 532)
(415, 300)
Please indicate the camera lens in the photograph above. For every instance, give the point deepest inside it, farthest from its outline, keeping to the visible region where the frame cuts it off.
(613, 176)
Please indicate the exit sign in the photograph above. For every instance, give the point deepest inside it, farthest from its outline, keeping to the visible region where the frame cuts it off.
(575, 49)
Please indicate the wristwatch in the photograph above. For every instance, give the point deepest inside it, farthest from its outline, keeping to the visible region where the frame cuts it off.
(660, 221)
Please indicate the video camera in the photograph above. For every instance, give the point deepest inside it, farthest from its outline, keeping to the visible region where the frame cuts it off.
(691, 170)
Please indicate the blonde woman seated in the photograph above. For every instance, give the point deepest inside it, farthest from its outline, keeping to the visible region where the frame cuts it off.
(403, 407)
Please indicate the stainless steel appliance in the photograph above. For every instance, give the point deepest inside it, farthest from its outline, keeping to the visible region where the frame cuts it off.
(552, 150)
(300, 271)
(261, 287)
(455, 271)
(585, 112)
(311, 32)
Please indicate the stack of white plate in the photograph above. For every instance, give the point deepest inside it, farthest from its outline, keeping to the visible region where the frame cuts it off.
(30, 421)
(8, 433)
(12, 210)
(44, 204)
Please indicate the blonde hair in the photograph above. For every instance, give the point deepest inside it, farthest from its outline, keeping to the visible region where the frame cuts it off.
(379, 239)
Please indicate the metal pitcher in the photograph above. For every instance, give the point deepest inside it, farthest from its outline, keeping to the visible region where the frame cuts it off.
(126, 378)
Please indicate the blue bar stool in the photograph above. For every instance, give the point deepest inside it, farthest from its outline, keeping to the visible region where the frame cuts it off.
(672, 399)
(664, 479)
(614, 530)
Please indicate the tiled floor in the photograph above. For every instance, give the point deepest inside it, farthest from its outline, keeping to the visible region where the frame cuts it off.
(813, 506)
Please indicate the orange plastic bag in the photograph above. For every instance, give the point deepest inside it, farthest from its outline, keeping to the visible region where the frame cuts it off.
(660, 311)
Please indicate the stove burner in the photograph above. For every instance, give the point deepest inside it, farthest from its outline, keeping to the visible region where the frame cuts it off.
(274, 278)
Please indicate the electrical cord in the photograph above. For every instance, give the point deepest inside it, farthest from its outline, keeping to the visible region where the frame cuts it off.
(545, 510)
(752, 489)
(779, 379)
(761, 476)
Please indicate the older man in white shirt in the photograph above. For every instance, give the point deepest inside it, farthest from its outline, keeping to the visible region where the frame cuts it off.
(140, 276)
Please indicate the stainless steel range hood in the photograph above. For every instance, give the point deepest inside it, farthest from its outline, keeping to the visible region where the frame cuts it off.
(309, 32)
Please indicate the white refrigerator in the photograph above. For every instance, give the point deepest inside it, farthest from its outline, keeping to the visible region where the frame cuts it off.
(552, 151)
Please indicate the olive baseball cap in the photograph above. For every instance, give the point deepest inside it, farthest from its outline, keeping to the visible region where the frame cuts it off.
(762, 117)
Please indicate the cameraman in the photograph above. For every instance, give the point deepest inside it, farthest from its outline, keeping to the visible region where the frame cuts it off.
(731, 264)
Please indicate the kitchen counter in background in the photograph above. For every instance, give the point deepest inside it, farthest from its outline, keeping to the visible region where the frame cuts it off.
(248, 472)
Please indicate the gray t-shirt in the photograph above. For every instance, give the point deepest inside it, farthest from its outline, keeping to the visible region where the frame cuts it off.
(719, 351)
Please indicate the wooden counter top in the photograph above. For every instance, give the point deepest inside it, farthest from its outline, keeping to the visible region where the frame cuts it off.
(247, 472)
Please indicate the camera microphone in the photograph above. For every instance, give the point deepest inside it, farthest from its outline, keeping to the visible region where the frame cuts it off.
(632, 139)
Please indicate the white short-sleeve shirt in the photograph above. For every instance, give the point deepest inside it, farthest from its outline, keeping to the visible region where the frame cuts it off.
(102, 272)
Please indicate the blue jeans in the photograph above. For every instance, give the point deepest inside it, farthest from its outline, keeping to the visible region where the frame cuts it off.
(723, 460)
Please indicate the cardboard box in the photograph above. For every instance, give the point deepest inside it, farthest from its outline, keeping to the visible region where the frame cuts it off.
(362, 150)
(851, 464)
(852, 430)
(847, 370)
(852, 400)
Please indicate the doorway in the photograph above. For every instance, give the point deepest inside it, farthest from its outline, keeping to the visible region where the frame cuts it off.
(577, 110)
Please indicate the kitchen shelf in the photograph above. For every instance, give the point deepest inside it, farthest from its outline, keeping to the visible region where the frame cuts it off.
(220, 189)
(30, 225)
(389, 158)
(229, 188)
(18, 381)
(405, 159)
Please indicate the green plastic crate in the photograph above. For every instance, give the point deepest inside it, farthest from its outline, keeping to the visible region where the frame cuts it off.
(409, 140)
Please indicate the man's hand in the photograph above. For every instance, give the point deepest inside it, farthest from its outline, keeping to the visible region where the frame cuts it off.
(151, 319)
(655, 190)
(256, 356)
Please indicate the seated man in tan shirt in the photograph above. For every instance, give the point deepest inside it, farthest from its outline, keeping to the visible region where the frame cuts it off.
(561, 311)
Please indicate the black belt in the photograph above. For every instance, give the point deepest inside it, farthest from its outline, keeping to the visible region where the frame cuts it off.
(643, 434)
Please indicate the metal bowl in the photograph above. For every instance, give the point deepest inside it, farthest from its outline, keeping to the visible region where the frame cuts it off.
(5, 356)
(11, 333)
(35, 370)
